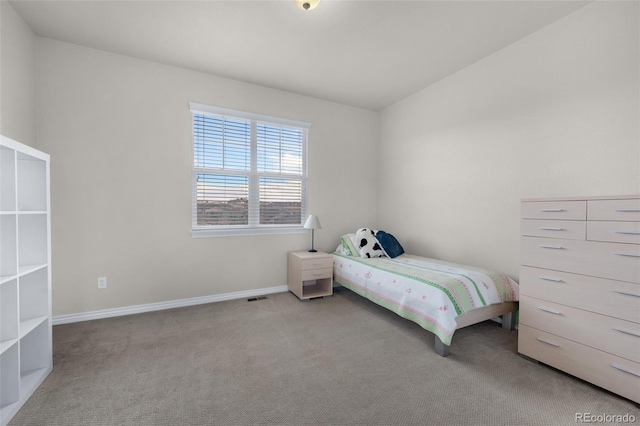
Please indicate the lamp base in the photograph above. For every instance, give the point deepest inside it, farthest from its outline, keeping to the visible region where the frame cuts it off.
(313, 251)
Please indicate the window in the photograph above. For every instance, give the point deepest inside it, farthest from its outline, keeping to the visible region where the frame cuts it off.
(249, 173)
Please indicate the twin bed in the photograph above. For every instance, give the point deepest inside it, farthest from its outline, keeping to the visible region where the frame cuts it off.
(439, 296)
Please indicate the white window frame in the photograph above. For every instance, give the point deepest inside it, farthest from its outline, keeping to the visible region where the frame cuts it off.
(254, 227)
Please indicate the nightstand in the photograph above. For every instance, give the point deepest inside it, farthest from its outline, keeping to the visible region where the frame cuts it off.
(310, 274)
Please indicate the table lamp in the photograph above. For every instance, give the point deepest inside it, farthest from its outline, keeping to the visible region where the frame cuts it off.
(312, 223)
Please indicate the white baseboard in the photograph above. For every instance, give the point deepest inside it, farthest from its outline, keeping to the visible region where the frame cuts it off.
(150, 307)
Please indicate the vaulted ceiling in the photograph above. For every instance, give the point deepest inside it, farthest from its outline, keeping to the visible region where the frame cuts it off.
(367, 54)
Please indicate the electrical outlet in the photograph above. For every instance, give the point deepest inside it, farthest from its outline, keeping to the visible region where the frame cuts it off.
(102, 282)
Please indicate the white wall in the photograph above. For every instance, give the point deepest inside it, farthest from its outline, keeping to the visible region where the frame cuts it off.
(17, 77)
(554, 114)
(118, 131)
(551, 115)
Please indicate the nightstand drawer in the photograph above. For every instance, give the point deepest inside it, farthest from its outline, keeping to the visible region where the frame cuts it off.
(316, 274)
(616, 336)
(625, 210)
(567, 210)
(318, 263)
(569, 229)
(603, 369)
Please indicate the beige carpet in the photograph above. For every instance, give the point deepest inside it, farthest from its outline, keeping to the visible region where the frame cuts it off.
(279, 361)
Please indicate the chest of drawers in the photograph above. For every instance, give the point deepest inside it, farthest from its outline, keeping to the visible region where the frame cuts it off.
(580, 288)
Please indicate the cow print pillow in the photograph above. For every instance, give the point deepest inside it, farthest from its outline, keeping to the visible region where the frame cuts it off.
(367, 244)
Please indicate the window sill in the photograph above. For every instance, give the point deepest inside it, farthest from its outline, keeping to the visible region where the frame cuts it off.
(240, 232)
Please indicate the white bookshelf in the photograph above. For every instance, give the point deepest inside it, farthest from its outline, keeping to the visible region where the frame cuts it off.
(25, 275)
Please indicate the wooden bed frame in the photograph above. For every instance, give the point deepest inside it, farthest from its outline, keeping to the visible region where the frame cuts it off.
(506, 310)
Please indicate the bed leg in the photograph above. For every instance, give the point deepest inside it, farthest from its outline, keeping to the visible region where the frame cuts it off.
(508, 321)
(441, 348)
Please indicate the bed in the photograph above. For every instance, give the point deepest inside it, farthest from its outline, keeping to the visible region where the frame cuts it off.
(439, 296)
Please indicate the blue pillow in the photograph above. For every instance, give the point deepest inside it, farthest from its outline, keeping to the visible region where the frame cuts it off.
(389, 243)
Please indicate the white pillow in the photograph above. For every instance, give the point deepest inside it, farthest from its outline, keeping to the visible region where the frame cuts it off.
(367, 244)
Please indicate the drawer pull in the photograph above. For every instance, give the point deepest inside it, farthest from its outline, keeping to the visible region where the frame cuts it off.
(620, 253)
(547, 228)
(627, 232)
(625, 369)
(552, 210)
(625, 331)
(551, 311)
(555, 280)
(552, 247)
(628, 210)
(627, 293)
(318, 274)
(548, 342)
(317, 264)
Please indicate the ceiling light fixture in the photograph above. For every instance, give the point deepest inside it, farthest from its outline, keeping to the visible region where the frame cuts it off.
(306, 4)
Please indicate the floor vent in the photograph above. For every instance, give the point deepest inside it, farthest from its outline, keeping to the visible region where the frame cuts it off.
(253, 299)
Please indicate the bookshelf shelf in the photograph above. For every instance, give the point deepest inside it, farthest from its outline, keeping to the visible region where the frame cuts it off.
(25, 275)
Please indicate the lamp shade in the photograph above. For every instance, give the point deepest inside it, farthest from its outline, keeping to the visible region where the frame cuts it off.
(312, 222)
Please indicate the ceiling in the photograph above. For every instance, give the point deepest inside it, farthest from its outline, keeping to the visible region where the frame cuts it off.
(368, 54)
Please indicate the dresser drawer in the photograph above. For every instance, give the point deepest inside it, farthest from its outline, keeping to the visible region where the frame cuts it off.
(605, 260)
(569, 229)
(624, 210)
(616, 374)
(571, 210)
(612, 335)
(615, 232)
(317, 274)
(616, 299)
(319, 263)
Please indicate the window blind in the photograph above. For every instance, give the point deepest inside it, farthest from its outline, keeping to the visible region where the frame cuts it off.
(221, 144)
(248, 173)
(280, 153)
(222, 200)
(279, 149)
